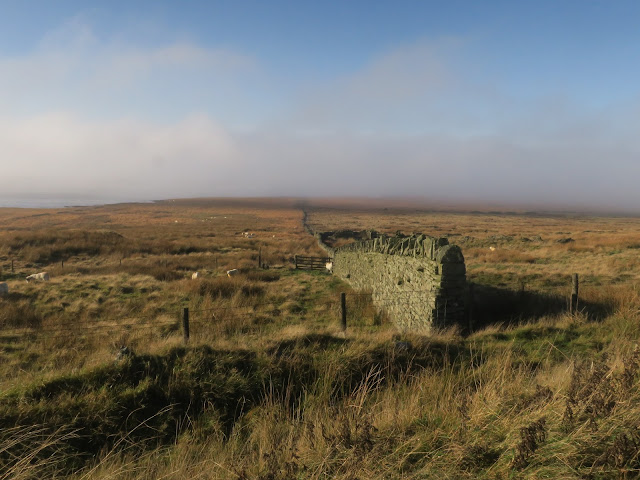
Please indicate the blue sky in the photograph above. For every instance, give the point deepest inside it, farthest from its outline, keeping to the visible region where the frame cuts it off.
(490, 101)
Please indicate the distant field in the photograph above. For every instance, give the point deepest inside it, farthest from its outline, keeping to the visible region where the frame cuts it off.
(135, 262)
(269, 387)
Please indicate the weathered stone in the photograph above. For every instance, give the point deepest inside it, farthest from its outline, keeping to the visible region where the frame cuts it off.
(453, 269)
(449, 254)
(420, 281)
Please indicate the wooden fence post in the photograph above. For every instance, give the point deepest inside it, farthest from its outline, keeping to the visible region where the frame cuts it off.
(343, 309)
(574, 293)
(185, 324)
(260, 257)
(62, 264)
(295, 259)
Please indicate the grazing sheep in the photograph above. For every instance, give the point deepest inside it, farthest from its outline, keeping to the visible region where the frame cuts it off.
(493, 249)
(4, 289)
(195, 276)
(232, 273)
(42, 277)
(329, 266)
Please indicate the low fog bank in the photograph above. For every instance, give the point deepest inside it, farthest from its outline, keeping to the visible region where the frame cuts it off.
(61, 156)
(382, 205)
(59, 201)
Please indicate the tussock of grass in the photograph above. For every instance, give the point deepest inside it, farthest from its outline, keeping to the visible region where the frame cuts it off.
(25, 452)
(113, 399)
(55, 246)
(225, 287)
(262, 276)
(17, 313)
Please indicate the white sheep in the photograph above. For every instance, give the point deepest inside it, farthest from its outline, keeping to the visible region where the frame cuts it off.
(42, 277)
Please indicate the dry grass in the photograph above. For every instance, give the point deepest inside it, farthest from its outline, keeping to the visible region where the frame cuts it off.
(270, 387)
(603, 250)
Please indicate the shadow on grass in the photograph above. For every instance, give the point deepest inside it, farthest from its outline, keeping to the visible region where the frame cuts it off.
(494, 305)
(149, 400)
(312, 341)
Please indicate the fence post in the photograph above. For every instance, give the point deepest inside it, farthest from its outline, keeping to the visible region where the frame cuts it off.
(343, 309)
(185, 324)
(62, 264)
(259, 257)
(574, 293)
(295, 259)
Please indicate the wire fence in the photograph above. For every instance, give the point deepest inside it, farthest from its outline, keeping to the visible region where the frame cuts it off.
(355, 313)
(215, 260)
(357, 309)
(199, 321)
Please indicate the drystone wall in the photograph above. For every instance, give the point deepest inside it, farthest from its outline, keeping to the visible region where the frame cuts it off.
(419, 280)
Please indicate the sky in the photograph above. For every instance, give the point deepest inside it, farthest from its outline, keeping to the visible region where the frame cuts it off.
(513, 103)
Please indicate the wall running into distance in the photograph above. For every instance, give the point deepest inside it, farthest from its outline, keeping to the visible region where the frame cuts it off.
(419, 280)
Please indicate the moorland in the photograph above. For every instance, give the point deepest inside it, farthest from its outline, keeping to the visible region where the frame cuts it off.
(97, 381)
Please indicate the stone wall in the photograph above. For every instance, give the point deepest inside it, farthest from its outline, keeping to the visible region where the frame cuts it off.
(419, 280)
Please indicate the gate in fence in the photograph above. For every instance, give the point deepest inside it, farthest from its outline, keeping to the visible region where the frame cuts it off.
(311, 263)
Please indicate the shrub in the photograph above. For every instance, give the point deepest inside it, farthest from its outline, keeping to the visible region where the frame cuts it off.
(52, 246)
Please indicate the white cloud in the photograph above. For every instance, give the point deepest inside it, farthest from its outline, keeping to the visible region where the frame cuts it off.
(115, 67)
(405, 73)
(393, 91)
(71, 69)
(63, 154)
